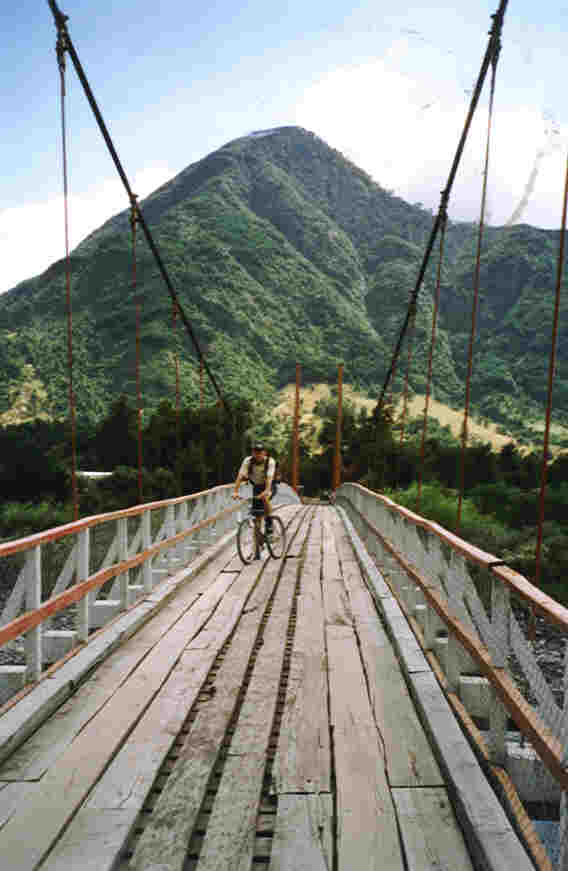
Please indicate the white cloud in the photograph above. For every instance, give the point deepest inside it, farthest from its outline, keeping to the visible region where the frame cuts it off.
(404, 131)
(33, 236)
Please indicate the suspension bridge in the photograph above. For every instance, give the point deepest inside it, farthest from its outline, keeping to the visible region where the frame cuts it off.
(375, 699)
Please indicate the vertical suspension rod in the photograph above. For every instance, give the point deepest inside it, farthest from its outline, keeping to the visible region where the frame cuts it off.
(61, 48)
(295, 434)
(430, 362)
(61, 23)
(407, 375)
(475, 303)
(551, 369)
(337, 454)
(138, 304)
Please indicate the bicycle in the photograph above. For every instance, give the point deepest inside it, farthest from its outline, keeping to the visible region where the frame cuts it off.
(251, 535)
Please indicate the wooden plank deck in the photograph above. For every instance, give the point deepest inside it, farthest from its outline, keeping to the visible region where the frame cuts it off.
(261, 715)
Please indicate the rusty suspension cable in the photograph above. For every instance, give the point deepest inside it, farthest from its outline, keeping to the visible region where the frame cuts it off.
(492, 49)
(61, 24)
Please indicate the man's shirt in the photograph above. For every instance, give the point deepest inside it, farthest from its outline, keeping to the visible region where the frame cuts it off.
(257, 475)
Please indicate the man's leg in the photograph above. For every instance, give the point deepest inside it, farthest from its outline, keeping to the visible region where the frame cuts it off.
(267, 514)
(258, 508)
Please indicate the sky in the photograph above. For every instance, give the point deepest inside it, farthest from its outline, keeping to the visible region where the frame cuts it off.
(387, 84)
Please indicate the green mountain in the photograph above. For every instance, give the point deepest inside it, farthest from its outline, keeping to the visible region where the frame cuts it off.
(281, 250)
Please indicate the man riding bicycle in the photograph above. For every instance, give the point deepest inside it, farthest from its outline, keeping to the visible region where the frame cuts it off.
(259, 469)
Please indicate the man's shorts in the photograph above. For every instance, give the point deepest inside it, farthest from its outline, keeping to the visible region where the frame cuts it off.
(258, 505)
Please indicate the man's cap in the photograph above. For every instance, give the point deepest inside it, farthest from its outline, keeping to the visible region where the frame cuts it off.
(258, 446)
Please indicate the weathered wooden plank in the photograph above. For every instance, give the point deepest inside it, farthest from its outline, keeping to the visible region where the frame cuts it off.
(24, 718)
(296, 540)
(11, 795)
(430, 832)
(45, 746)
(330, 560)
(409, 652)
(372, 573)
(165, 839)
(94, 833)
(29, 834)
(230, 836)
(361, 603)
(167, 834)
(302, 762)
(409, 758)
(344, 546)
(303, 834)
(336, 600)
(367, 835)
(336, 603)
(101, 827)
(488, 832)
(313, 542)
(127, 781)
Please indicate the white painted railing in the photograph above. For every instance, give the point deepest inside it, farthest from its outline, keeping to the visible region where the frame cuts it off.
(85, 573)
(473, 615)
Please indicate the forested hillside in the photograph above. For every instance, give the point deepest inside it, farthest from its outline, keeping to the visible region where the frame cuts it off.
(281, 250)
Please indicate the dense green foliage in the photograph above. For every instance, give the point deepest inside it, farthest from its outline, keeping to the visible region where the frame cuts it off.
(500, 508)
(281, 250)
(182, 453)
(195, 450)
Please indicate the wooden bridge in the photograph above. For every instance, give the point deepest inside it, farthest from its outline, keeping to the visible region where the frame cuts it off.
(282, 714)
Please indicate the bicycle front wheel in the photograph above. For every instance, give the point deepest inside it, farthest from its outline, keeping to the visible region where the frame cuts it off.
(276, 542)
(246, 540)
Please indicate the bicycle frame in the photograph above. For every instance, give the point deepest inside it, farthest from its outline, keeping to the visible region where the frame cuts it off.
(258, 538)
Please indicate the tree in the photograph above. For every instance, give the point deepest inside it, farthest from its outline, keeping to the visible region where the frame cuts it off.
(116, 438)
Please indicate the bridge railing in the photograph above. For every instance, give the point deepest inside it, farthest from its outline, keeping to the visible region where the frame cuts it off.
(72, 579)
(497, 643)
(61, 584)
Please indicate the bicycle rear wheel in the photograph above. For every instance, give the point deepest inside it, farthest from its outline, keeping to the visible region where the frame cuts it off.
(246, 540)
(276, 542)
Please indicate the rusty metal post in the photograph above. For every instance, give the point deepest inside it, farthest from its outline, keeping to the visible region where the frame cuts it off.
(138, 304)
(295, 435)
(139, 398)
(337, 456)
(176, 357)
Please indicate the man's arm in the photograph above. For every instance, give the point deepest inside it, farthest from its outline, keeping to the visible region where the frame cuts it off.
(267, 492)
(240, 478)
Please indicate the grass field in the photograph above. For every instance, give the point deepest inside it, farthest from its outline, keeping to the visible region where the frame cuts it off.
(309, 396)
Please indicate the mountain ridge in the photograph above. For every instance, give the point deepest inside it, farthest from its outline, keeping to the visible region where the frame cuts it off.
(281, 249)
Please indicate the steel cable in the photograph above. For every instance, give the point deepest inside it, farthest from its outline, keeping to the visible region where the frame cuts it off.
(490, 53)
(61, 24)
